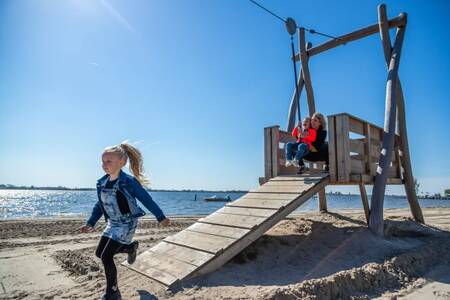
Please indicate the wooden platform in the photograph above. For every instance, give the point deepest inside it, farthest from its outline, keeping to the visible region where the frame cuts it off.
(212, 241)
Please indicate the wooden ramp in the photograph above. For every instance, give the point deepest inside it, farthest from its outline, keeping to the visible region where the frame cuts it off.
(212, 241)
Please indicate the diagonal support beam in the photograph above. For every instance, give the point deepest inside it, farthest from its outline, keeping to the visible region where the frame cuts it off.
(306, 74)
(293, 106)
(401, 119)
(376, 223)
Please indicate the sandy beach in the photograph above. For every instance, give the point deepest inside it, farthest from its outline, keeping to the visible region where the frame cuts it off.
(306, 256)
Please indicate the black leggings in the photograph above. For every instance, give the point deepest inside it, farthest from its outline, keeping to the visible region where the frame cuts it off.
(106, 250)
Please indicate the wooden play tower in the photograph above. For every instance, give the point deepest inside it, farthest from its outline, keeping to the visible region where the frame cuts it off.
(360, 153)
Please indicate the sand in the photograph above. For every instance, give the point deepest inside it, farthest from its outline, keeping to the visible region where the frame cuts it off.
(306, 256)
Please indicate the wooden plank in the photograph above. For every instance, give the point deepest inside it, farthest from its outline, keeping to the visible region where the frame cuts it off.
(259, 203)
(365, 201)
(322, 200)
(299, 177)
(155, 274)
(226, 231)
(356, 126)
(268, 153)
(285, 136)
(253, 212)
(355, 35)
(306, 181)
(268, 196)
(161, 267)
(282, 170)
(332, 148)
(284, 189)
(376, 134)
(240, 221)
(356, 146)
(200, 241)
(367, 149)
(164, 263)
(181, 253)
(357, 167)
(275, 150)
(237, 247)
(368, 179)
(343, 148)
(398, 161)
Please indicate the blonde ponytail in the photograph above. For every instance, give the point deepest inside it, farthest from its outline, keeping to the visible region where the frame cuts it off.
(127, 151)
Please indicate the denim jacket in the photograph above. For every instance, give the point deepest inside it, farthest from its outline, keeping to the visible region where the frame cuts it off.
(132, 190)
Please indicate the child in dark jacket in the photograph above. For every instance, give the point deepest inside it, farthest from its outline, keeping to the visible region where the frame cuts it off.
(117, 194)
(302, 146)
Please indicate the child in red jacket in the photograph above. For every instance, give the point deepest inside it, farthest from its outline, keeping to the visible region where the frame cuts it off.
(302, 146)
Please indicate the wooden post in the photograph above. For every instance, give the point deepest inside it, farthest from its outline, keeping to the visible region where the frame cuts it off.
(401, 121)
(322, 200)
(267, 153)
(275, 150)
(332, 148)
(342, 148)
(353, 36)
(293, 107)
(368, 147)
(376, 223)
(365, 201)
(306, 73)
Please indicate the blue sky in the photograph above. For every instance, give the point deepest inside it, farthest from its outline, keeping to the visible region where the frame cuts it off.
(193, 84)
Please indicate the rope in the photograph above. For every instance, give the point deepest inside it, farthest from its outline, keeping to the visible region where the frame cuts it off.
(312, 31)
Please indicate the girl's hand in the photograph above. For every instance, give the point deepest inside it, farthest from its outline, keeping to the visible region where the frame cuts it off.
(86, 229)
(165, 222)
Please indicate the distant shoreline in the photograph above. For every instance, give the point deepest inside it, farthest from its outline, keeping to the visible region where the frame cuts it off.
(93, 189)
(430, 197)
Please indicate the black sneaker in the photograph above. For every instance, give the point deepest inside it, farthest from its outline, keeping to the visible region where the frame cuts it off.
(112, 296)
(301, 170)
(133, 252)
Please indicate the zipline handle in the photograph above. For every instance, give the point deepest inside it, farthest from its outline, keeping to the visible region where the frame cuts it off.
(291, 27)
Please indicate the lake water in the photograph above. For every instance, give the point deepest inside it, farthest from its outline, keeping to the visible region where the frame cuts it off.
(37, 203)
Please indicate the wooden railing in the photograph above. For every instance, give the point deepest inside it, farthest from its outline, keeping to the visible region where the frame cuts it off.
(354, 149)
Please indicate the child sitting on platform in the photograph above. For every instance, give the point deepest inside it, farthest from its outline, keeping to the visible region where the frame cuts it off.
(302, 146)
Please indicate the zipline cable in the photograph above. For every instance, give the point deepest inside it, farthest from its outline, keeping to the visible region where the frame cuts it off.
(310, 30)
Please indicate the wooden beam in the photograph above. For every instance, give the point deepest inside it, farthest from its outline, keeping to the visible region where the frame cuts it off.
(342, 148)
(353, 36)
(332, 148)
(306, 73)
(401, 121)
(368, 147)
(322, 200)
(376, 223)
(365, 201)
(293, 107)
(267, 153)
(275, 150)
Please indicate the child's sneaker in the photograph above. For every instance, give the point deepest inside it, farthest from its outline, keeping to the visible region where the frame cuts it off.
(288, 163)
(301, 170)
(296, 163)
(133, 252)
(112, 296)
